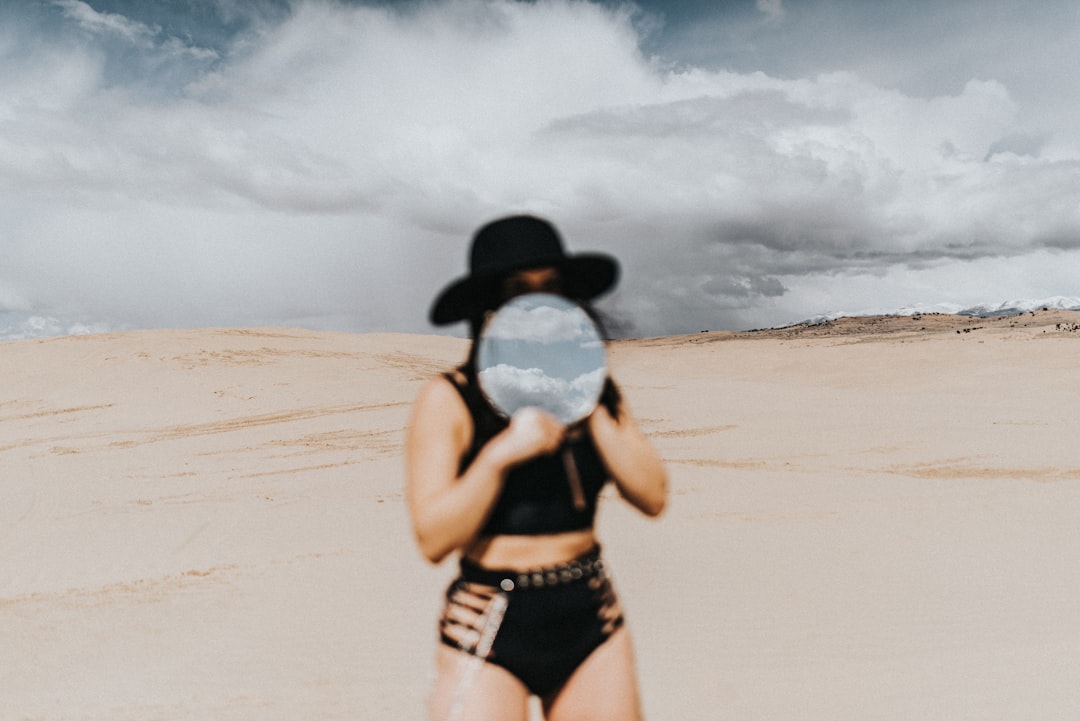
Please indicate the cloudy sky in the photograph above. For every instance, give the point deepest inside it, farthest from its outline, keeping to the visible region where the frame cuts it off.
(322, 163)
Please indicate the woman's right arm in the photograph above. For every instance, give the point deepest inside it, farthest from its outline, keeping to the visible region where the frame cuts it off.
(449, 510)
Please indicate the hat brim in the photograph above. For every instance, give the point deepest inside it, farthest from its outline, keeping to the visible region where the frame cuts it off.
(584, 276)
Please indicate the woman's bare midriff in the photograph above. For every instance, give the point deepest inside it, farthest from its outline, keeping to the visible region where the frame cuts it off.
(522, 553)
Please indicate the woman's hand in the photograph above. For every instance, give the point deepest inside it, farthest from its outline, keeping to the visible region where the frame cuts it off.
(532, 432)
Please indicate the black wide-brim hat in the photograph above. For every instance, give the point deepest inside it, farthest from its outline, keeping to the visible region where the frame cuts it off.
(519, 242)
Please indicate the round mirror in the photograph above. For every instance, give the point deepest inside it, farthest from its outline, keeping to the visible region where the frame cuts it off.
(545, 351)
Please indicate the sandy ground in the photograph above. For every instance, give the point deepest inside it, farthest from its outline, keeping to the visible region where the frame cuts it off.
(871, 519)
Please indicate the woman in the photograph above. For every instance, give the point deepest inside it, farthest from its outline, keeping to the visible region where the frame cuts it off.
(533, 611)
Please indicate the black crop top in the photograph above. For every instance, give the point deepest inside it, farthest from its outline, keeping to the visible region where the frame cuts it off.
(536, 498)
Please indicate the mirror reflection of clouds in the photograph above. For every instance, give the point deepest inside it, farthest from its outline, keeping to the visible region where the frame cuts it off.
(542, 350)
(512, 388)
(541, 318)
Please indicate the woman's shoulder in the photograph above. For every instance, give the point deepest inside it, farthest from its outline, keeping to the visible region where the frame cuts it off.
(443, 392)
(439, 385)
(440, 409)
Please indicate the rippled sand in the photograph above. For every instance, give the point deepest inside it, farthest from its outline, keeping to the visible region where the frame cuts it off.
(873, 518)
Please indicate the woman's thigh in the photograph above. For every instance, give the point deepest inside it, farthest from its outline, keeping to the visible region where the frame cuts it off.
(469, 689)
(603, 688)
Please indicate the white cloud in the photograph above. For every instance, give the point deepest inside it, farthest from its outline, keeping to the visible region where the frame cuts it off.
(543, 324)
(328, 169)
(773, 9)
(512, 388)
(17, 326)
(12, 300)
(92, 21)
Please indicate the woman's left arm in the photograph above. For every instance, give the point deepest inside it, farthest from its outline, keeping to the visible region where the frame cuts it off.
(631, 459)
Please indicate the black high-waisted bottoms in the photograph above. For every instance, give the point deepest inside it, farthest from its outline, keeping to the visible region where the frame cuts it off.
(539, 625)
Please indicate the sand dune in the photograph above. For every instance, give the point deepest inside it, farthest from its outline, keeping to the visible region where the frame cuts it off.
(871, 519)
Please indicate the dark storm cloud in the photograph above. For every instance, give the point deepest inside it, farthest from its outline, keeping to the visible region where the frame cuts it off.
(323, 163)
